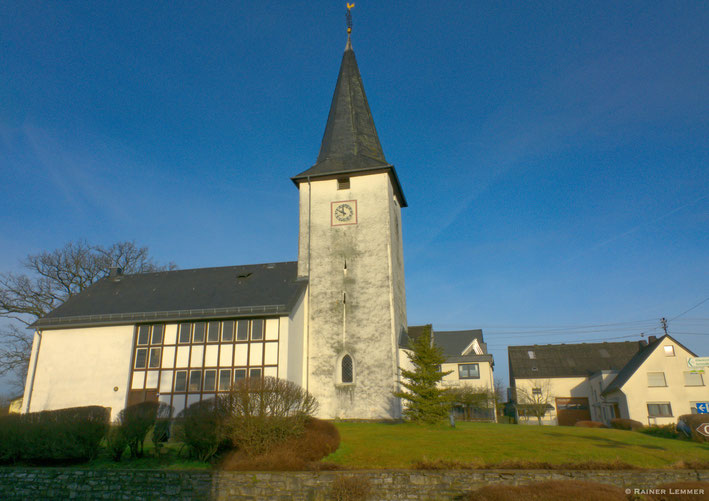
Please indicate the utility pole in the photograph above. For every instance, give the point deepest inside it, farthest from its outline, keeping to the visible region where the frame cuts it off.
(663, 320)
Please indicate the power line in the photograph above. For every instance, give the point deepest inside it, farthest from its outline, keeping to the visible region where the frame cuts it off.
(693, 307)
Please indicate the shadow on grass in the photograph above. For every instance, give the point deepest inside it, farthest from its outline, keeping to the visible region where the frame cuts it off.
(614, 444)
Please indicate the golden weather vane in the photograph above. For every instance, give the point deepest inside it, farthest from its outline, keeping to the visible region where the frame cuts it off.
(348, 16)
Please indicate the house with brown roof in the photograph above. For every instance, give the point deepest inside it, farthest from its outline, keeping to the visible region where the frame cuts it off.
(650, 383)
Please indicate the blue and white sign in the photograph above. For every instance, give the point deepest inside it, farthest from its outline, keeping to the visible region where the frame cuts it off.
(702, 407)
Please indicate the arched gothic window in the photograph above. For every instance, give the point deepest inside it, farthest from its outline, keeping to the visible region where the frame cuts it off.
(347, 369)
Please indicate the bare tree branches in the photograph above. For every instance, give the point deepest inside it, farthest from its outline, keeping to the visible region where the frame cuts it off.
(15, 354)
(52, 277)
(535, 400)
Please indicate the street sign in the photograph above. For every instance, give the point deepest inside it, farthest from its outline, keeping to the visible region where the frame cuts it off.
(702, 407)
(698, 362)
(703, 429)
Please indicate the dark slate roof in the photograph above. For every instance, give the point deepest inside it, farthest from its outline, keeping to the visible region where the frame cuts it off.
(454, 342)
(451, 342)
(350, 145)
(568, 360)
(231, 291)
(635, 363)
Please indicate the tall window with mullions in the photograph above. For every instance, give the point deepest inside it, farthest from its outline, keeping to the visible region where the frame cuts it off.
(182, 363)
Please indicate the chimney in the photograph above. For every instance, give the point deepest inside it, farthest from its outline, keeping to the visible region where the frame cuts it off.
(651, 339)
(642, 343)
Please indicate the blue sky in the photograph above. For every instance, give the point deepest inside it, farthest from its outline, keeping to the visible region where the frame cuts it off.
(555, 156)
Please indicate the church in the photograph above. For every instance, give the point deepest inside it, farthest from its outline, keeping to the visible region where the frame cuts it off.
(334, 321)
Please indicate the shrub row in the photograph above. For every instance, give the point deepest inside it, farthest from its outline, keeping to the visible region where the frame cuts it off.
(65, 435)
(253, 417)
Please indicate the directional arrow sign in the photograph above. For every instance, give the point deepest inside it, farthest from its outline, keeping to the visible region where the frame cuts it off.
(703, 429)
(702, 407)
(698, 362)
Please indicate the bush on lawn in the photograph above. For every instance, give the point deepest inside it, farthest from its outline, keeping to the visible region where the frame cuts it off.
(265, 412)
(589, 424)
(202, 427)
(626, 424)
(662, 431)
(161, 430)
(135, 422)
(60, 436)
(116, 442)
(10, 438)
(692, 422)
(298, 453)
(554, 490)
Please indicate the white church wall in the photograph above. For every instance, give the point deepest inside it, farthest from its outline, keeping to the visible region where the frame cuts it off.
(78, 367)
(293, 348)
(356, 296)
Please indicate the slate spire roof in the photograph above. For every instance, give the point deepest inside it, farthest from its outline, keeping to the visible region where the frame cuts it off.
(350, 144)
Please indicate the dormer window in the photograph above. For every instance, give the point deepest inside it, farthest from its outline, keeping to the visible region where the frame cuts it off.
(343, 183)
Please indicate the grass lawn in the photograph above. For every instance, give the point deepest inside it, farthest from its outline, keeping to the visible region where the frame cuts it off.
(379, 445)
(169, 459)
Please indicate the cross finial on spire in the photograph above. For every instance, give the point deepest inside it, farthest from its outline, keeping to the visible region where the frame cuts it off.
(348, 17)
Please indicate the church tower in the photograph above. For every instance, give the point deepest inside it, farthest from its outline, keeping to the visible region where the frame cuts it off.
(350, 251)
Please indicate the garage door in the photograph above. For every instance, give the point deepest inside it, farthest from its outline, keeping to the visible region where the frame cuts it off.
(570, 410)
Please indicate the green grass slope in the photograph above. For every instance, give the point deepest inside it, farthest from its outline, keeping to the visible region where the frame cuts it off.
(379, 445)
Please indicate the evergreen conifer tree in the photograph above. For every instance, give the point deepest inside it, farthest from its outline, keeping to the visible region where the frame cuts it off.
(425, 401)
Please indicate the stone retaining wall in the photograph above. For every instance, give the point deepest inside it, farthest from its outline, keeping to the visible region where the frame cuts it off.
(58, 483)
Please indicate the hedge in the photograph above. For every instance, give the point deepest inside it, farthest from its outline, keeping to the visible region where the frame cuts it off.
(60, 436)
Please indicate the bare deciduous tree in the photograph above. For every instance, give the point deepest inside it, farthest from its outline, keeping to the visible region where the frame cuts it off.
(535, 400)
(52, 277)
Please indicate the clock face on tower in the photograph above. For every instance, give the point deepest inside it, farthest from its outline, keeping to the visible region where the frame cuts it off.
(344, 212)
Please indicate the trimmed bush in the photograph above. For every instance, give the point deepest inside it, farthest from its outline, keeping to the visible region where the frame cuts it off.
(10, 438)
(664, 431)
(135, 422)
(626, 424)
(692, 422)
(202, 427)
(116, 442)
(589, 424)
(161, 430)
(60, 436)
(265, 412)
(299, 453)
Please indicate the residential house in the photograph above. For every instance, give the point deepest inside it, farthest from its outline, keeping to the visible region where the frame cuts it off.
(650, 383)
(468, 363)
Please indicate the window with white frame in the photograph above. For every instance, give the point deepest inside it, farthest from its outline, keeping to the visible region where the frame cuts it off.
(692, 378)
(656, 379)
(468, 371)
(669, 350)
(659, 409)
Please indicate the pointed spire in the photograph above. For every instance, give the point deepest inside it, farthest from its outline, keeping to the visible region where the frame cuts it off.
(350, 138)
(350, 143)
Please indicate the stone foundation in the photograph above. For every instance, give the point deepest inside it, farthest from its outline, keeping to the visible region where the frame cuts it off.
(415, 485)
